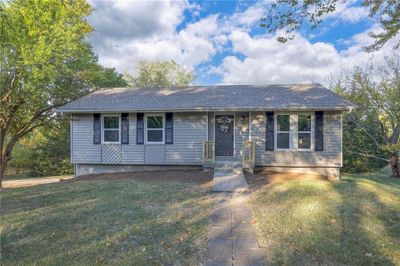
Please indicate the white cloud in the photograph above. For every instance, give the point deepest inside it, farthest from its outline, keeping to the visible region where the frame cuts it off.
(128, 31)
(268, 61)
(347, 12)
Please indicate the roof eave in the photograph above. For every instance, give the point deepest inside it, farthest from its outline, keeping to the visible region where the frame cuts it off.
(213, 109)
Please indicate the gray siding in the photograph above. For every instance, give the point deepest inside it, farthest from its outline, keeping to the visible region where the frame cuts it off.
(331, 156)
(83, 149)
(111, 153)
(241, 132)
(189, 134)
(154, 154)
(190, 130)
(132, 153)
(211, 126)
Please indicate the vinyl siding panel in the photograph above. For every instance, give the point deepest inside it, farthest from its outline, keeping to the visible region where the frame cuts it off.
(83, 149)
(132, 153)
(331, 156)
(189, 134)
(211, 126)
(154, 154)
(241, 132)
(111, 153)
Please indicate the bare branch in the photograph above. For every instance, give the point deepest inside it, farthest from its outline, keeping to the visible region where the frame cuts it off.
(364, 128)
(370, 156)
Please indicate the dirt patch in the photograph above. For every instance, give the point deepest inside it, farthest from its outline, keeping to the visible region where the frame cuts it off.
(258, 179)
(29, 182)
(200, 177)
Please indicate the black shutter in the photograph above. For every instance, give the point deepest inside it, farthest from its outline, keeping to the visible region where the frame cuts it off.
(269, 132)
(124, 128)
(319, 131)
(139, 128)
(96, 129)
(169, 128)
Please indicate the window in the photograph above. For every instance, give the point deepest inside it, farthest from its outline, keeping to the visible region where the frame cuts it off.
(155, 129)
(304, 131)
(293, 132)
(111, 128)
(283, 131)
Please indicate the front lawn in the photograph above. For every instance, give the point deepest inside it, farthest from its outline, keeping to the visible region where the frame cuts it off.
(121, 221)
(355, 221)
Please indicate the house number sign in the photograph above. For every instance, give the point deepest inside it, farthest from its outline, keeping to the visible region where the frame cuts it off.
(224, 124)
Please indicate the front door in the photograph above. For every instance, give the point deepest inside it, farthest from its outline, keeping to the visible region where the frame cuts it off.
(224, 129)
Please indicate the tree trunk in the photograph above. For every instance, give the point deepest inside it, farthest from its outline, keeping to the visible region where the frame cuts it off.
(3, 165)
(394, 164)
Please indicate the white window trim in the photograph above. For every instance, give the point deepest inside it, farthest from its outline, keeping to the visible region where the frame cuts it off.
(146, 129)
(102, 129)
(293, 133)
(276, 132)
(311, 132)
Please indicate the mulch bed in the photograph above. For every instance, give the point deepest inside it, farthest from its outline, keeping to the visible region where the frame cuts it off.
(192, 176)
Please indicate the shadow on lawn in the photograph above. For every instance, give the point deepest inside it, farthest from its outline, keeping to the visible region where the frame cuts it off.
(358, 206)
(337, 223)
(110, 223)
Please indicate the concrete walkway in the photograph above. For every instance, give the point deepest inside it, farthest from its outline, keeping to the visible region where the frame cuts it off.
(229, 179)
(232, 238)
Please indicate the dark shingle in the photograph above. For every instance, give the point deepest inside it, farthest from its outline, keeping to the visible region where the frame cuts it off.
(229, 97)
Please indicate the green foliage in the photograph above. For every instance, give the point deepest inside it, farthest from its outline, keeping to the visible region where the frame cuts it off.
(371, 131)
(287, 16)
(45, 62)
(160, 74)
(51, 157)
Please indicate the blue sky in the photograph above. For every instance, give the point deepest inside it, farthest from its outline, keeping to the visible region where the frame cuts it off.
(223, 43)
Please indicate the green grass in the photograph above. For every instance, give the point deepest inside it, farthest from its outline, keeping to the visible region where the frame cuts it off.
(355, 221)
(104, 222)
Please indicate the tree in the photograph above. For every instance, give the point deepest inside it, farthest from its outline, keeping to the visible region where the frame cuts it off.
(289, 15)
(45, 61)
(376, 91)
(160, 74)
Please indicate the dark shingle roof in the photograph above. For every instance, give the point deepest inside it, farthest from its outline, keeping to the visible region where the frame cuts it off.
(230, 97)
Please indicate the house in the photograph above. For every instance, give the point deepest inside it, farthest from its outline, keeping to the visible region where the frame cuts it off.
(294, 128)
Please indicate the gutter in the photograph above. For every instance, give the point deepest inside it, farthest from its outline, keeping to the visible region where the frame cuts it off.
(216, 109)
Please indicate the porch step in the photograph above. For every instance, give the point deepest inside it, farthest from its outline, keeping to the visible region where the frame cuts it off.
(227, 164)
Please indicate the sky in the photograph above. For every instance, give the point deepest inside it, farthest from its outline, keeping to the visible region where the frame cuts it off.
(223, 43)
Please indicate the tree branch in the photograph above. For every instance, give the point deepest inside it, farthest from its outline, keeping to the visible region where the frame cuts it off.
(362, 127)
(370, 156)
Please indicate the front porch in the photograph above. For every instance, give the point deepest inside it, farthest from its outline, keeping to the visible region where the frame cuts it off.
(246, 161)
(228, 142)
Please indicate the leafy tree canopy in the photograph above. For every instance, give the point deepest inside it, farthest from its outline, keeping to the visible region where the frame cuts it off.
(373, 129)
(45, 61)
(160, 74)
(289, 15)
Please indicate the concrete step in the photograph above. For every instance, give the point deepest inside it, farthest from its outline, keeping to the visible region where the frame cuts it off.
(228, 164)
